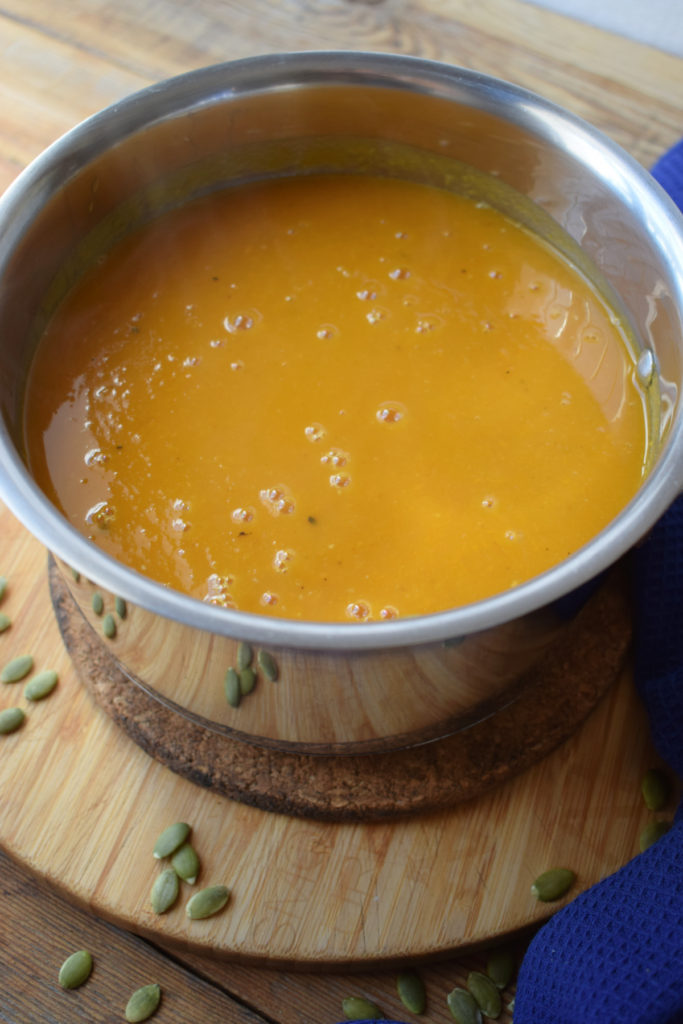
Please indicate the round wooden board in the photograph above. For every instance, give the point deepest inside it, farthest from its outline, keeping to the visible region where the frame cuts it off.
(82, 804)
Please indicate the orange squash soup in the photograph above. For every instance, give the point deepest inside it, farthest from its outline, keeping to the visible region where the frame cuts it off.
(336, 398)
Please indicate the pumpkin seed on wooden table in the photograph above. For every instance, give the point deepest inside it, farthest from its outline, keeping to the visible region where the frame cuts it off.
(76, 969)
(360, 1008)
(553, 884)
(120, 607)
(11, 719)
(268, 665)
(485, 993)
(97, 603)
(207, 902)
(143, 1003)
(171, 839)
(165, 891)
(109, 626)
(247, 681)
(16, 669)
(245, 655)
(501, 966)
(653, 831)
(411, 991)
(232, 688)
(185, 863)
(656, 789)
(463, 1007)
(5, 622)
(41, 685)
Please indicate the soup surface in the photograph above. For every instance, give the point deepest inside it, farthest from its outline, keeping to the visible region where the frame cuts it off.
(336, 398)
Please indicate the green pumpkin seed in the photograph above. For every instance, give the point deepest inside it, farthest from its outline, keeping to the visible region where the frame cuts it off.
(185, 863)
(143, 1003)
(247, 681)
(3, 586)
(656, 789)
(207, 902)
(109, 626)
(120, 607)
(411, 991)
(553, 884)
(11, 719)
(501, 967)
(245, 655)
(76, 575)
(164, 891)
(359, 1008)
(463, 1007)
(97, 603)
(653, 831)
(268, 665)
(41, 685)
(76, 969)
(231, 688)
(5, 622)
(16, 669)
(486, 994)
(171, 839)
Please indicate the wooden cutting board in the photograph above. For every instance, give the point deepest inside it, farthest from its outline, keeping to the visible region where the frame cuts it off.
(81, 805)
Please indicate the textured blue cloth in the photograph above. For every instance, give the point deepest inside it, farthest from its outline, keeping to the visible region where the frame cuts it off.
(614, 955)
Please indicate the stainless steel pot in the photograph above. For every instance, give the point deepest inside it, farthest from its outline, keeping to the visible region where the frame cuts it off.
(343, 688)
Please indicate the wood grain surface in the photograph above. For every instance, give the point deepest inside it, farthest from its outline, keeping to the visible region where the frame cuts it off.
(61, 63)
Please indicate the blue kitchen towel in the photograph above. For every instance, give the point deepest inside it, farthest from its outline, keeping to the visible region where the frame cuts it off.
(614, 955)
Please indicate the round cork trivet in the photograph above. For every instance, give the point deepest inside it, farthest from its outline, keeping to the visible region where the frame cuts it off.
(551, 702)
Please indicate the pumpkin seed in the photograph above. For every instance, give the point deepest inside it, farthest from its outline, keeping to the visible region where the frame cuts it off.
(120, 607)
(656, 789)
(16, 669)
(207, 902)
(11, 719)
(185, 863)
(171, 839)
(164, 891)
(653, 831)
(553, 884)
(143, 1003)
(3, 586)
(359, 1008)
(109, 626)
(486, 994)
(232, 689)
(76, 575)
(97, 603)
(411, 991)
(5, 622)
(245, 655)
(41, 685)
(76, 969)
(268, 665)
(463, 1007)
(247, 681)
(501, 966)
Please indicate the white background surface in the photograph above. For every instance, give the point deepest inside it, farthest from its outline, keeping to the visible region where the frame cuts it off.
(656, 22)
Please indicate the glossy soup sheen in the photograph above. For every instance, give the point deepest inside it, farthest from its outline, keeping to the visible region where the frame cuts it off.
(336, 398)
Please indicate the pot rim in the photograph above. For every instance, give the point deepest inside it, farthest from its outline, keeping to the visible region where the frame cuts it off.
(216, 84)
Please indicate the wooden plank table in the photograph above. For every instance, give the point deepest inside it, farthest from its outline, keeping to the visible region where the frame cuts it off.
(61, 63)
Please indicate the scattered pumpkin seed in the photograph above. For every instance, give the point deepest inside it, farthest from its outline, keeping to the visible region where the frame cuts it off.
(11, 719)
(268, 665)
(656, 789)
(120, 607)
(653, 831)
(171, 839)
(411, 991)
(164, 891)
(143, 1003)
(185, 863)
(501, 966)
(5, 622)
(553, 884)
(463, 1007)
(3, 586)
(76, 969)
(76, 575)
(109, 626)
(247, 681)
(359, 1008)
(486, 994)
(97, 603)
(207, 902)
(232, 688)
(16, 669)
(41, 685)
(245, 655)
